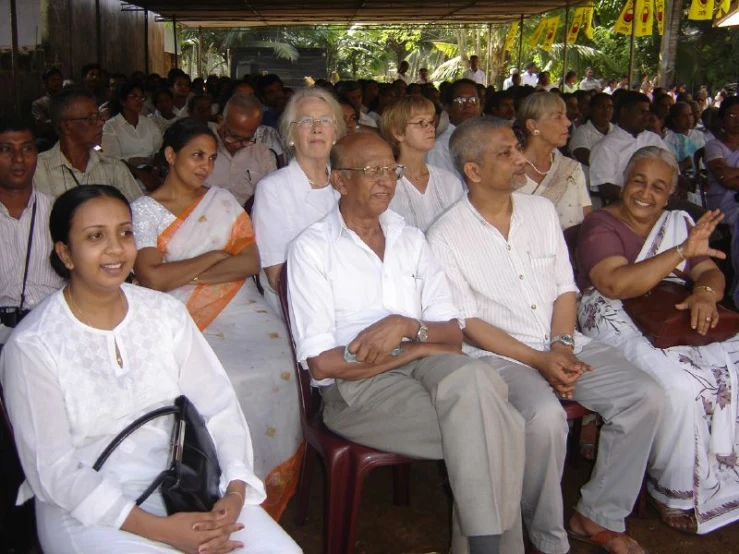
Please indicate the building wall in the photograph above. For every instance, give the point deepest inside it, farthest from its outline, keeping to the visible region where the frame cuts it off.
(67, 36)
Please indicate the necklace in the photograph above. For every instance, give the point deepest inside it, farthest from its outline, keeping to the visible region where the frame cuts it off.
(314, 185)
(420, 177)
(76, 308)
(551, 159)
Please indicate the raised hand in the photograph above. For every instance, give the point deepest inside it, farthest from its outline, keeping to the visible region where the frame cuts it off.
(697, 242)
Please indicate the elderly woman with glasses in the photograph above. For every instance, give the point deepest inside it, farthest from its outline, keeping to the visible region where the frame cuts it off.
(292, 198)
(424, 191)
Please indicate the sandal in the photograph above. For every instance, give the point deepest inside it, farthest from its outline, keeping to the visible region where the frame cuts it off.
(672, 517)
(602, 538)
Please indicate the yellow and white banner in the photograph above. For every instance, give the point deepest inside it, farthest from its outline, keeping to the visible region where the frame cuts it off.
(587, 21)
(511, 36)
(644, 18)
(575, 27)
(551, 32)
(723, 8)
(701, 10)
(660, 15)
(539, 33)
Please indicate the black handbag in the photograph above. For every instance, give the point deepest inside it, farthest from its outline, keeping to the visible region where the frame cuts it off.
(191, 483)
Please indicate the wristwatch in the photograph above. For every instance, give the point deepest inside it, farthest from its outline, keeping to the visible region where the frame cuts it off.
(567, 340)
(422, 335)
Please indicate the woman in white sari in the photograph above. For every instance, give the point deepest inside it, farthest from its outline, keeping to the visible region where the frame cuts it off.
(542, 117)
(624, 251)
(198, 245)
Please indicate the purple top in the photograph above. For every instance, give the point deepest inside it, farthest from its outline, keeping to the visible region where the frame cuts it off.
(603, 235)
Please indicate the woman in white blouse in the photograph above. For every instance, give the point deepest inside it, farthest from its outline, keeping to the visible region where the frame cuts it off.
(424, 191)
(131, 137)
(296, 196)
(91, 359)
(542, 117)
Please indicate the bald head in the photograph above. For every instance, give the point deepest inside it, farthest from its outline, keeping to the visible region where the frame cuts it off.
(242, 117)
(346, 151)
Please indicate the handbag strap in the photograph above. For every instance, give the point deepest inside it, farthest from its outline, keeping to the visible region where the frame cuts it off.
(120, 437)
(28, 254)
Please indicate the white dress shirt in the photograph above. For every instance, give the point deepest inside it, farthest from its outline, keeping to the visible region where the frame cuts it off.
(531, 79)
(54, 174)
(421, 209)
(585, 136)
(42, 280)
(589, 84)
(439, 155)
(511, 284)
(338, 286)
(124, 141)
(609, 156)
(67, 398)
(508, 83)
(284, 205)
(478, 76)
(161, 121)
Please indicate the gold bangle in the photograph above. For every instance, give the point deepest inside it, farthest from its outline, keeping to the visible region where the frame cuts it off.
(195, 279)
(237, 494)
(679, 250)
(705, 287)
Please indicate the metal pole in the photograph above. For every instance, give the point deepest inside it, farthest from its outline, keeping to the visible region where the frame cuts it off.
(631, 44)
(488, 54)
(146, 41)
(14, 55)
(520, 43)
(98, 34)
(174, 36)
(567, 32)
(200, 51)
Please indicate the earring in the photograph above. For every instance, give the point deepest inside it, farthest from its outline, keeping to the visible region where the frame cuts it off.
(334, 142)
(536, 132)
(291, 143)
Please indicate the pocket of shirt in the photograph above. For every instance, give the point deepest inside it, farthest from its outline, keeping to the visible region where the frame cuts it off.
(408, 298)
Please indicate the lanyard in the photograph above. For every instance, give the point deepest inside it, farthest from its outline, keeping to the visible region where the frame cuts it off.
(73, 176)
(28, 254)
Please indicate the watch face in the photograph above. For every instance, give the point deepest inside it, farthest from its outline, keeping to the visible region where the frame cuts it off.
(423, 334)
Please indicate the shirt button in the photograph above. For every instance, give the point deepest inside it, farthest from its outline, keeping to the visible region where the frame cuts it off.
(509, 247)
(546, 337)
(533, 306)
(520, 277)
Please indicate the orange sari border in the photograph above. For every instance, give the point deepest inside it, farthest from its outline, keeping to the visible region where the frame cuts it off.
(282, 482)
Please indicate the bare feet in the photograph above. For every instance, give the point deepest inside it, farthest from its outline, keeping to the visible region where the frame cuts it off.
(586, 530)
(681, 520)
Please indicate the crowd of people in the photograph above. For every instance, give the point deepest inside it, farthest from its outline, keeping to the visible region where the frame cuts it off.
(432, 297)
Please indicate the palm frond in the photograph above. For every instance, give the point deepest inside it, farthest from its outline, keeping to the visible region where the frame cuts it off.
(449, 49)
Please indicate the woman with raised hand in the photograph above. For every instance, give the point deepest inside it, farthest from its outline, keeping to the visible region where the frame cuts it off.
(198, 244)
(86, 363)
(296, 196)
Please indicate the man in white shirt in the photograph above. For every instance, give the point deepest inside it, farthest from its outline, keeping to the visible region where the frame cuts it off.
(351, 91)
(609, 156)
(590, 82)
(508, 268)
(598, 126)
(402, 72)
(24, 214)
(73, 161)
(508, 83)
(474, 73)
(373, 322)
(530, 76)
(423, 76)
(462, 103)
(241, 161)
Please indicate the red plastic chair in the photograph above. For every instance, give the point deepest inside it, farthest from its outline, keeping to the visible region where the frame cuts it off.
(347, 463)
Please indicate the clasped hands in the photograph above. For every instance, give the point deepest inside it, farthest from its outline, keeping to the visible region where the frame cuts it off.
(207, 532)
(561, 368)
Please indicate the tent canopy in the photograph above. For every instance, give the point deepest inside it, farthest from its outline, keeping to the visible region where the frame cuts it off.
(255, 13)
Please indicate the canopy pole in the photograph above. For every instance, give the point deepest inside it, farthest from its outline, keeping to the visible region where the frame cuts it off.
(146, 40)
(99, 34)
(200, 51)
(14, 55)
(489, 54)
(520, 43)
(631, 46)
(567, 33)
(174, 36)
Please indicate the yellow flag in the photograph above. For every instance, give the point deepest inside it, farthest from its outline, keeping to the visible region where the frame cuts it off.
(660, 5)
(538, 33)
(575, 27)
(723, 8)
(644, 18)
(625, 19)
(587, 21)
(511, 36)
(550, 33)
(701, 10)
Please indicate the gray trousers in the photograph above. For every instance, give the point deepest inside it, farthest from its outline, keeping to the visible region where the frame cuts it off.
(448, 407)
(630, 403)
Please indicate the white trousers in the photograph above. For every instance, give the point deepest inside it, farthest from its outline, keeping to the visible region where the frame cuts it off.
(60, 533)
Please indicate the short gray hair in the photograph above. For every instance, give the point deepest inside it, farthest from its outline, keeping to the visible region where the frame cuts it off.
(291, 112)
(467, 143)
(654, 153)
(246, 102)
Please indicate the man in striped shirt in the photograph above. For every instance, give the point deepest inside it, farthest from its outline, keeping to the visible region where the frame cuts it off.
(23, 212)
(509, 273)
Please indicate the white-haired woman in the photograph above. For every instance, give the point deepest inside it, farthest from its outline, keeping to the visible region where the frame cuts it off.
(289, 200)
(542, 117)
(624, 251)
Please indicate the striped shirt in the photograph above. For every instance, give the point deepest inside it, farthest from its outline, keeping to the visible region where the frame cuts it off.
(510, 284)
(421, 209)
(42, 280)
(56, 175)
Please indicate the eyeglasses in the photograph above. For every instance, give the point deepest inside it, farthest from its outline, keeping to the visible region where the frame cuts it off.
(462, 100)
(423, 124)
(91, 119)
(374, 172)
(230, 137)
(350, 119)
(309, 122)
(136, 97)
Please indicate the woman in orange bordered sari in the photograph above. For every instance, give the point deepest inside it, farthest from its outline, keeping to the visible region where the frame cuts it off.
(198, 244)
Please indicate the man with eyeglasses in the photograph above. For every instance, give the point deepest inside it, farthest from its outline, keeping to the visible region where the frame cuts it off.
(374, 324)
(241, 161)
(462, 102)
(74, 160)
